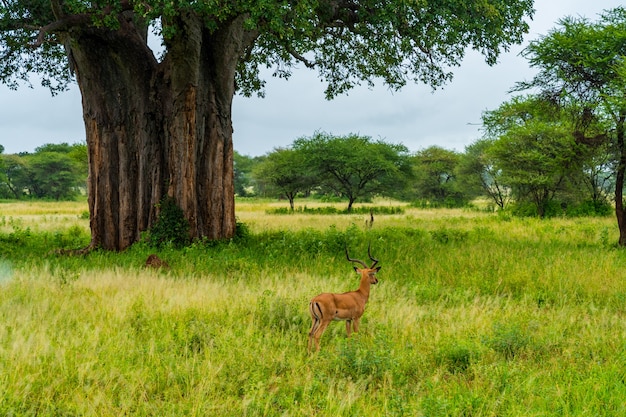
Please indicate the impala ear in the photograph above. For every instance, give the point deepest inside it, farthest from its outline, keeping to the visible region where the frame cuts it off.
(356, 269)
(377, 268)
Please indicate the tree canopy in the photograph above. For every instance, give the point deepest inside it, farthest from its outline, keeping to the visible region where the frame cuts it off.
(53, 171)
(287, 171)
(348, 42)
(354, 166)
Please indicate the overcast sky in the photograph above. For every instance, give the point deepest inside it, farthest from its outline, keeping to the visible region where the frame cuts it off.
(415, 116)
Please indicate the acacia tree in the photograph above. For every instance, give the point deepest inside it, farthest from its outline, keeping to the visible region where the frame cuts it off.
(436, 177)
(285, 170)
(477, 169)
(583, 61)
(161, 126)
(15, 175)
(535, 147)
(354, 166)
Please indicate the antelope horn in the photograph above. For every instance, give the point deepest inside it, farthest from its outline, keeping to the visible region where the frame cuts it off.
(369, 247)
(355, 260)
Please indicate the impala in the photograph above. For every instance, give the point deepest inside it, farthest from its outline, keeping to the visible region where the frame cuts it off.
(348, 306)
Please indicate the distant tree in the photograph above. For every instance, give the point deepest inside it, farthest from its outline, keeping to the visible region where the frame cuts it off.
(53, 171)
(55, 147)
(583, 61)
(16, 175)
(354, 166)
(243, 167)
(535, 149)
(598, 176)
(477, 170)
(54, 175)
(286, 171)
(435, 177)
(4, 190)
(79, 155)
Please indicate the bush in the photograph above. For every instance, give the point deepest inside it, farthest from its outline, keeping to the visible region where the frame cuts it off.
(448, 202)
(333, 210)
(555, 208)
(590, 208)
(171, 227)
(456, 358)
(508, 340)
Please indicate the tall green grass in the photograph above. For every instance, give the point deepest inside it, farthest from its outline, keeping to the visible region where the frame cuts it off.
(475, 314)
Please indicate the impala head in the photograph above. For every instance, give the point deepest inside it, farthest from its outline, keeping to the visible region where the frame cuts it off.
(369, 271)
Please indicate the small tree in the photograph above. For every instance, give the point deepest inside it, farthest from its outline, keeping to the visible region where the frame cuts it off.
(477, 170)
(54, 175)
(286, 171)
(243, 166)
(355, 166)
(435, 173)
(16, 175)
(536, 149)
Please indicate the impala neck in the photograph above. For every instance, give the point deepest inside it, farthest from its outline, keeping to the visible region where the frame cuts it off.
(364, 288)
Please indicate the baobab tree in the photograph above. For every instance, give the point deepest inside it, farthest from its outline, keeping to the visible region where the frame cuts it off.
(160, 125)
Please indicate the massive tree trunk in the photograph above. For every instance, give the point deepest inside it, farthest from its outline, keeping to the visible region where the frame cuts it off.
(156, 129)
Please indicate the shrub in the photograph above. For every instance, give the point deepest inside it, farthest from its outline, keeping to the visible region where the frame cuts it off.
(589, 208)
(456, 358)
(333, 210)
(508, 340)
(171, 227)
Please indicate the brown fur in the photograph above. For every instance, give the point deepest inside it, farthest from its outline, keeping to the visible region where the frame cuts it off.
(155, 262)
(348, 306)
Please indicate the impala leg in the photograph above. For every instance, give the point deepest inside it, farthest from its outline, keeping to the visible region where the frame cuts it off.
(355, 325)
(348, 327)
(316, 318)
(319, 332)
(314, 327)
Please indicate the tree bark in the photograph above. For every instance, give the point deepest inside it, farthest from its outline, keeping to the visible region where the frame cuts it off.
(155, 129)
(619, 180)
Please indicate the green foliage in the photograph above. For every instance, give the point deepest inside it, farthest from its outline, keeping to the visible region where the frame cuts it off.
(509, 340)
(355, 166)
(535, 149)
(380, 210)
(53, 171)
(303, 32)
(170, 228)
(436, 178)
(577, 65)
(243, 166)
(590, 208)
(456, 357)
(477, 169)
(285, 172)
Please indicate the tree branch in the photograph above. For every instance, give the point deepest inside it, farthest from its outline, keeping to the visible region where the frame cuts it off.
(297, 56)
(65, 21)
(61, 24)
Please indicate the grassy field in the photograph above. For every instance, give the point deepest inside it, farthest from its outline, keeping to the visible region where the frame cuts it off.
(476, 314)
